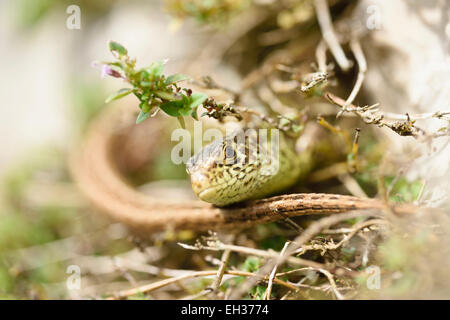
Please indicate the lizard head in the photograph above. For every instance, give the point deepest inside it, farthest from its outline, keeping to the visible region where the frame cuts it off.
(223, 172)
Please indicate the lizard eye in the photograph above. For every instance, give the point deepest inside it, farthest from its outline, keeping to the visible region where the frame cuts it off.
(229, 155)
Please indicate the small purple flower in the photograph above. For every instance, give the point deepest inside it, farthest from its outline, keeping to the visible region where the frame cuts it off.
(107, 70)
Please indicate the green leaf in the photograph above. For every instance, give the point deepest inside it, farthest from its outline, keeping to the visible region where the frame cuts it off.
(119, 94)
(175, 78)
(284, 122)
(117, 47)
(185, 111)
(142, 116)
(156, 68)
(166, 95)
(186, 100)
(251, 264)
(116, 64)
(146, 83)
(172, 108)
(143, 75)
(275, 242)
(194, 114)
(296, 128)
(144, 107)
(197, 99)
(403, 190)
(258, 292)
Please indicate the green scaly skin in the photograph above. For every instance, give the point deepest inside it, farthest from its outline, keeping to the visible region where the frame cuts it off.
(229, 171)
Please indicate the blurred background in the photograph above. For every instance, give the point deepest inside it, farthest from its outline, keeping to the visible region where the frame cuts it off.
(49, 65)
(49, 95)
(49, 91)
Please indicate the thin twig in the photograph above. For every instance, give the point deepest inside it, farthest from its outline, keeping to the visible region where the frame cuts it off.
(312, 230)
(362, 68)
(316, 227)
(272, 275)
(386, 115)
(321, 56)
(330, 277)
(326, 26)
(291, 223)
(198, 295)
(160, 284)
(421, 192)
(325, 272)
(371, 115)
(256, 252)
(352, 185)
(359, 226)
(223, 264)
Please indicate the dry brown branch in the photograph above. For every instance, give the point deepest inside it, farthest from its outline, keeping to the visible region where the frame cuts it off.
(223, 264)
(323, 223)
(371, 115)
(218, 246)
(313, 79)
(310, 232)
(353, 231)
(160, 284)
(286, 273)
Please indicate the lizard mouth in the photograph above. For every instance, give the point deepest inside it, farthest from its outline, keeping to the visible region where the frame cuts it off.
(204, 189)
(208, 195)
(212, 195)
